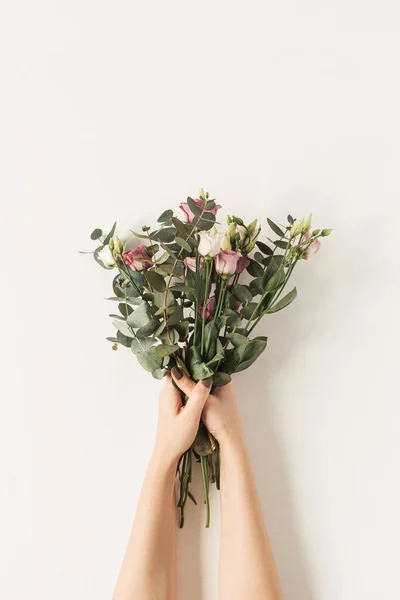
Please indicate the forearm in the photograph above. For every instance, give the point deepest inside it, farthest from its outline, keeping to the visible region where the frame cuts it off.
(247, 566)
(149, 567)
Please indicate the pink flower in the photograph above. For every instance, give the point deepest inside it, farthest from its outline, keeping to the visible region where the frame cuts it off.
(311, 249)
(210, 307)
(137, 259)
(184, 206)
(242, 264)
(190, 262)
(226, 262)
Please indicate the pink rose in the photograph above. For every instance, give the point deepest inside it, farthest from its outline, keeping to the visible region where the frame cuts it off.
(226, 262)
(137, 259)
(210, 307)
(311, 249)
(190, 262)
(242, 264)
(184, 206)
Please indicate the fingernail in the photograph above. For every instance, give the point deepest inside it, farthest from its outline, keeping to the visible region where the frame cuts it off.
(177, 373)
(207, 382)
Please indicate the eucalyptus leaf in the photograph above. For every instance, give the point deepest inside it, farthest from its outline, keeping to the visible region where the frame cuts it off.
(164, 350)
(123, 328)
(110, 234)
(96, 234)
(165, 235)
(252, 351)
(140, 317)
(156, 280)
(196, 210)
(255, 269)
(125, 309)
(276, 280)
(285, 301)
(166, 216)
(184, 229)
(237, 339)
(183, 243)
(275, 228)
(124, 340)
(242, 293)
(147, 329)
(264, 248)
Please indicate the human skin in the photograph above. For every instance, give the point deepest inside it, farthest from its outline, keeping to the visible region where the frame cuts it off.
(246, 568)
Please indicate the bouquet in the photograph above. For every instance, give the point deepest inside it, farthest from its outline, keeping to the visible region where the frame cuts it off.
(191, 294)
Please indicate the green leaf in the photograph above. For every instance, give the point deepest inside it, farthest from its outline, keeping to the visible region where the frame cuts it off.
(290, 219)
(153, 249)
(173, 336)
(114, 340)
(183, 243)
(275, 228)
(237, 339)
(183, 330)
(123, 328)
(97, 259)
(255, 269)
(124, 309)
(256, 286)
(241, 292)
(196, 210)
(176, 316)
(210, 338)
(158, 373)
(160, 298)
(221, 379)
(165, 216)
(165, 235)
(96, 234)
(143, 345)
(252, 351)
(285, 301)
(204, 223)
(281, 244)
(216, 358)
(155, 280)
(233, 317)
(109, 236)
(264, 248)
(201, 371)
(248, 310)
(276, 280)
(140, 317)
(148, 361)
(124, 340)
(184, 229)
(164, 350)
(147, 329)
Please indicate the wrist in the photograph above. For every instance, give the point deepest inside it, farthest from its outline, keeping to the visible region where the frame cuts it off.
(163, 460)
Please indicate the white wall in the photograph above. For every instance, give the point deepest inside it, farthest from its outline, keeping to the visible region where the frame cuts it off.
(119, 110)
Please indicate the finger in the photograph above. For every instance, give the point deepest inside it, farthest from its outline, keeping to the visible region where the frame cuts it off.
(171, 398)
(197, 398)
(183, 382)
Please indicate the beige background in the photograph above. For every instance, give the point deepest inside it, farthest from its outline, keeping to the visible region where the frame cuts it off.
(120, 110)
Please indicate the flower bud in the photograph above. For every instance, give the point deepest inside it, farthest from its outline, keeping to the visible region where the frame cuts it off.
(326, 232)
(111, 244)
(297, 227)
(307, 224)
(118, 246)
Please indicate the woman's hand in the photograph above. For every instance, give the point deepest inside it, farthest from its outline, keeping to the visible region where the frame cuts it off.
(220, 413)
(177, 424)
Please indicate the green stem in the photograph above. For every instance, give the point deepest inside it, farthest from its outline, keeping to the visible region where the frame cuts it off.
(208, 263)
(204, 468)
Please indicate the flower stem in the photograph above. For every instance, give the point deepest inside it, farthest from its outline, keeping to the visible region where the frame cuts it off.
(204, 468)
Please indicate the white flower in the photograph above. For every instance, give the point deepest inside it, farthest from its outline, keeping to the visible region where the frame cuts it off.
(210, 244)
(107, 258)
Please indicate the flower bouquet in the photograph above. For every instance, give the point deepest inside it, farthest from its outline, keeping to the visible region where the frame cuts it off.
(190, 295)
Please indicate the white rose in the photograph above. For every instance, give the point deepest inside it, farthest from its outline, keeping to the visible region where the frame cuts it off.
(210, 244)
(107, 258)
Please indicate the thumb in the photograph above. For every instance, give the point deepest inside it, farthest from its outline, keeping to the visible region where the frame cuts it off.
(197, 398)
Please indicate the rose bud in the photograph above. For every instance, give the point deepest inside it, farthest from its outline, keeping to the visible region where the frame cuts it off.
(210, 244)
(190, 262)
(226, 262)
(138, 259)
(200, 202)
(210, 307)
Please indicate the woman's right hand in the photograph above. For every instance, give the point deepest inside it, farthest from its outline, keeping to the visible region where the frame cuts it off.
(220, 413)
